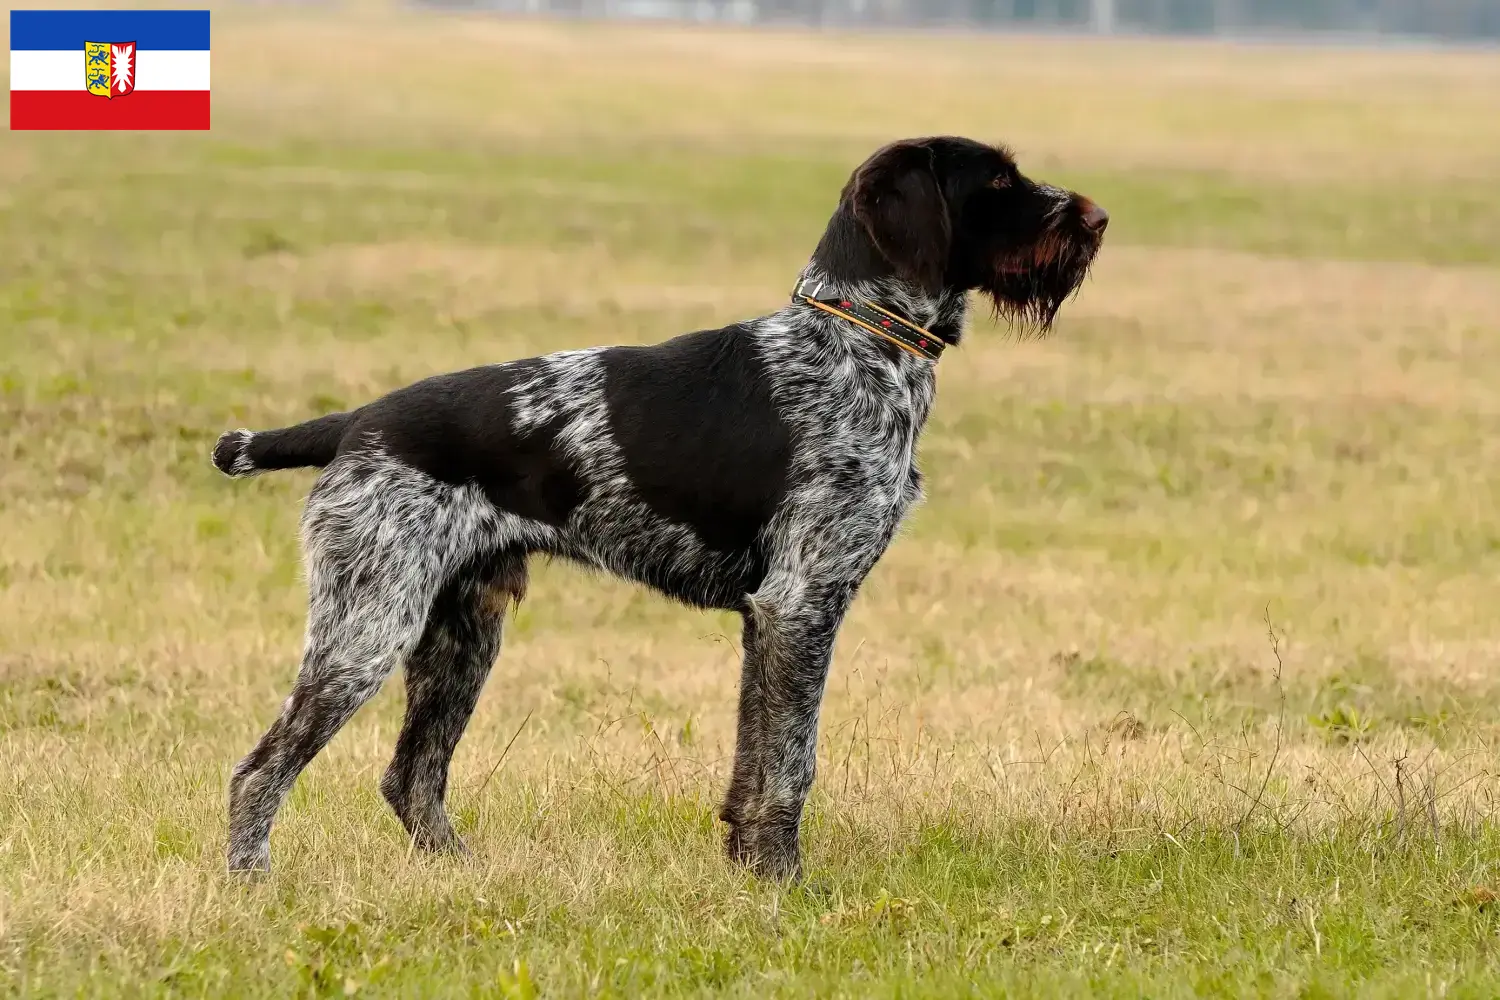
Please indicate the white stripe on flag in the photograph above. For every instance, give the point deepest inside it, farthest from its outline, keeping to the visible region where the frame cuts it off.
(156, 69)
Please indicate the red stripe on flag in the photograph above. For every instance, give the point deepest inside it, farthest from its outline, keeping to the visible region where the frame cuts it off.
(78, 109)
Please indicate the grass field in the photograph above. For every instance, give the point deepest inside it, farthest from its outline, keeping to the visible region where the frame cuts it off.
(1185, 681)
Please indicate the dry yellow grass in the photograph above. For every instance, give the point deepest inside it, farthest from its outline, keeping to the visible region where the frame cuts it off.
(1056, 756)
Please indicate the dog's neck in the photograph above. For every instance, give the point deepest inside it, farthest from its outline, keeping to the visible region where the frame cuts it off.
(847, 262)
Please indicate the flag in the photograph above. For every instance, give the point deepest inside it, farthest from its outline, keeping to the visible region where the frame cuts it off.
(109, 69)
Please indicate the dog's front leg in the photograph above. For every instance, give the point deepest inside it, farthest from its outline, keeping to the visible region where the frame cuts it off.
(745, 783)
(789, 636)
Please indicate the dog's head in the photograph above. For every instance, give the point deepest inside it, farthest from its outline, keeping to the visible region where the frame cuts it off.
(952, 213)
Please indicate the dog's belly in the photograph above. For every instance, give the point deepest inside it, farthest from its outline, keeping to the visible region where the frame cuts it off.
(630, 541)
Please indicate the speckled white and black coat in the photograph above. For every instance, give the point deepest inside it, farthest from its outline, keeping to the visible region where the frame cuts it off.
(762, 468)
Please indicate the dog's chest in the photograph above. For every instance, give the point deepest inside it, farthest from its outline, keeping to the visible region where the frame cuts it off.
(861, 441)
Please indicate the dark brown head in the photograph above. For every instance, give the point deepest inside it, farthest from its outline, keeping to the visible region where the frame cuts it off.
(947, 213)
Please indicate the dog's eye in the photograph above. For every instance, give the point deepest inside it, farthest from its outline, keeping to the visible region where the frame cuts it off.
(1000, 182)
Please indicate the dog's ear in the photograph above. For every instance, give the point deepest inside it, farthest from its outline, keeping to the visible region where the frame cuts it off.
(898, 199)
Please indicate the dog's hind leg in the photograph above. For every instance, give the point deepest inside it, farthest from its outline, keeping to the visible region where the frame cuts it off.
(444, 676)
(342, 668)
(380, 544)
(351, 649)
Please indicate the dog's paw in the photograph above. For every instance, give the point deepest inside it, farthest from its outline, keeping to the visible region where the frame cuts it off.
(251, 866)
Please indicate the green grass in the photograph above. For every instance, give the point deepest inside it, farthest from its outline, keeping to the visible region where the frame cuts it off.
(947, 914)
(1181, 683)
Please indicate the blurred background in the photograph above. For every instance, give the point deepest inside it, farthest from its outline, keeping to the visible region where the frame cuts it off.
(1463, 20)
(1234, 526)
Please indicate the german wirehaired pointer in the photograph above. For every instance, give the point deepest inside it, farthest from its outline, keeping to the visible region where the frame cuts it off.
(761, 468)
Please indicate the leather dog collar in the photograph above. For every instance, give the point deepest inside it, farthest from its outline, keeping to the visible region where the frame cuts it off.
(877, 319)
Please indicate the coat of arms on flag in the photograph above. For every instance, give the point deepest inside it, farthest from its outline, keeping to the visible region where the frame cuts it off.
(62, 62)
(109, 67)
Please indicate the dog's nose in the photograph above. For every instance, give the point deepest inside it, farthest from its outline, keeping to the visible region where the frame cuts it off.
(1094, 216)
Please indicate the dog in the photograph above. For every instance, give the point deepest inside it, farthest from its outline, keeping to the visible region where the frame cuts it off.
(761, 468)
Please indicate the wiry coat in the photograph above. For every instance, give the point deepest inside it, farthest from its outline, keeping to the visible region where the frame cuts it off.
(761, 468)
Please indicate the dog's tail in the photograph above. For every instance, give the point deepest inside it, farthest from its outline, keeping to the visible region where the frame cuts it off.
(309, 445)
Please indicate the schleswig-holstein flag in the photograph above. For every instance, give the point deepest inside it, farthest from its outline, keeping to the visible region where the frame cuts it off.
(109, 69)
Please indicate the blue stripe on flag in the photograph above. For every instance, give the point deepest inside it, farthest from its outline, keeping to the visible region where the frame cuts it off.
(56, 30)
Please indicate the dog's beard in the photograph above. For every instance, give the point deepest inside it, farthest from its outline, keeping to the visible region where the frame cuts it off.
(1030, 285)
